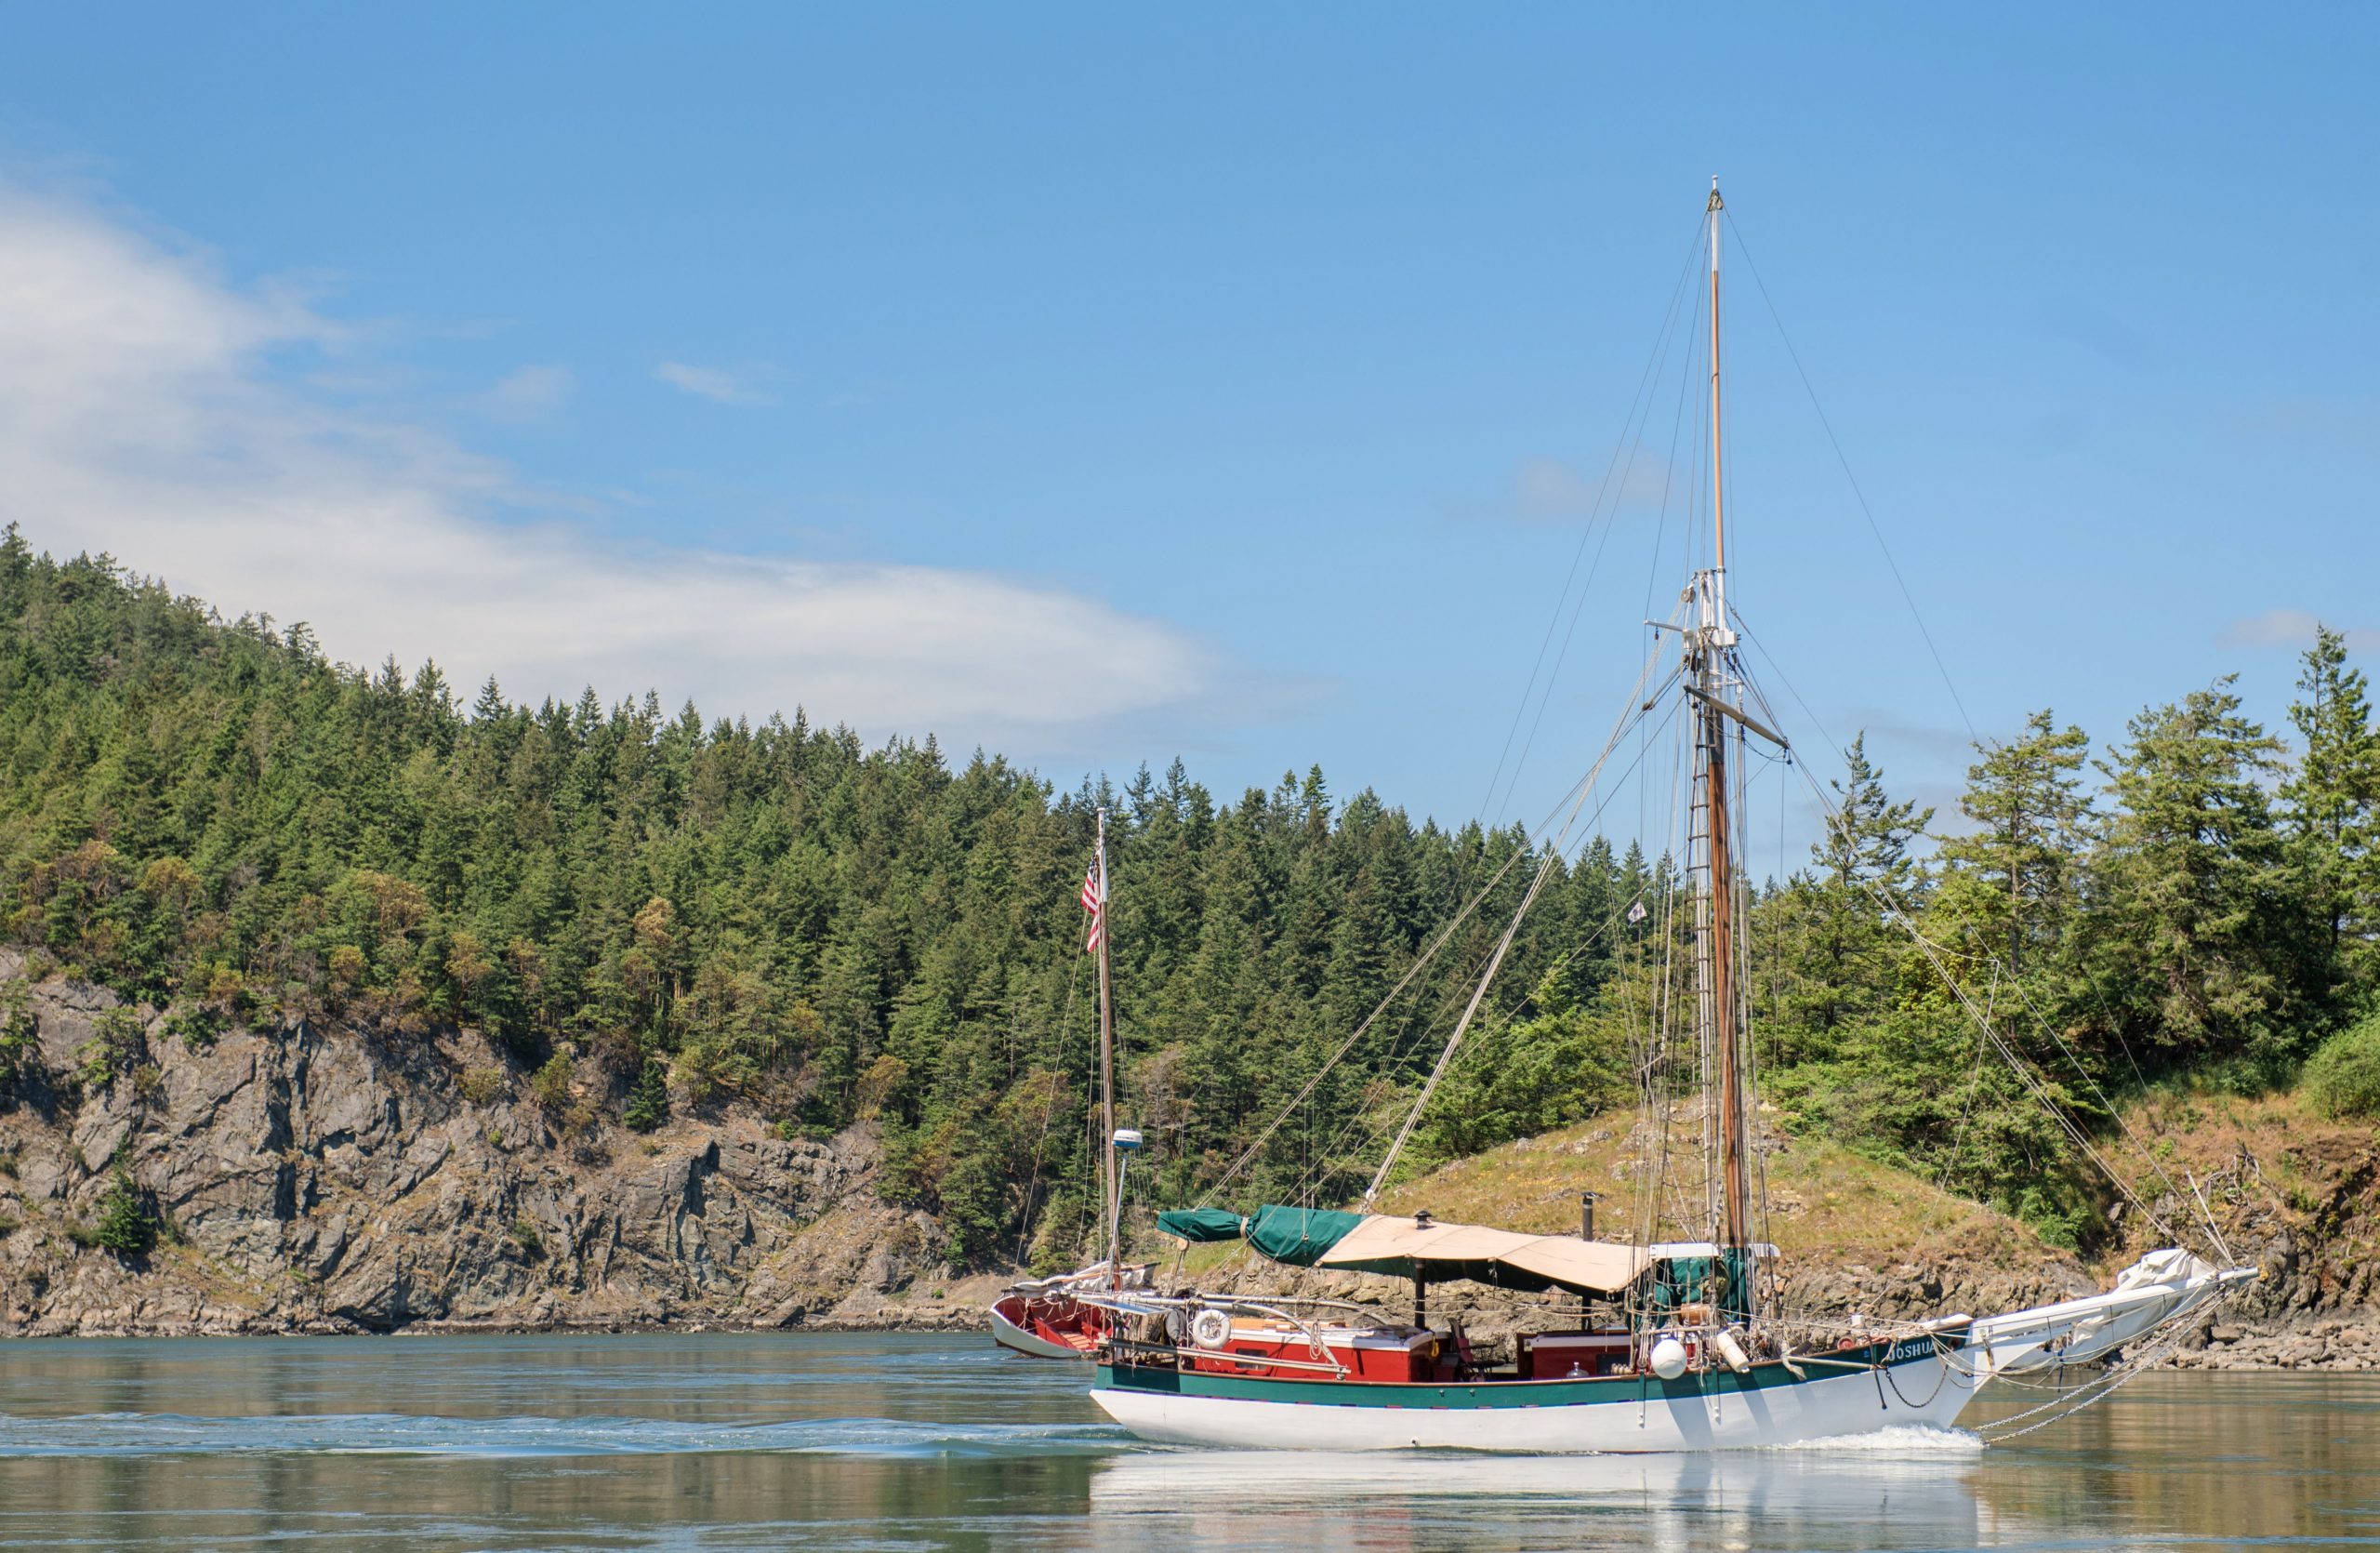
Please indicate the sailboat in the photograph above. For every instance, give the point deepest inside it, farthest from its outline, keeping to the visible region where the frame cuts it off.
(1678, 1345)
(1057, 1318)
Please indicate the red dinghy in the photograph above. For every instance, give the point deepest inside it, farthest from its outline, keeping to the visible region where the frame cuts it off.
(1045, 1318)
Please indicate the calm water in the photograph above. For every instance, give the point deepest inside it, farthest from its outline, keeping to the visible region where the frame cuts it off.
(703, 1443)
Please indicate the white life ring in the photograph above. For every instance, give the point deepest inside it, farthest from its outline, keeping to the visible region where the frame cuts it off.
(1210, 1329)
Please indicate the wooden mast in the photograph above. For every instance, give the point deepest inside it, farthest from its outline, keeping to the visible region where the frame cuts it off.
(1109, 1186)
(1719, 953)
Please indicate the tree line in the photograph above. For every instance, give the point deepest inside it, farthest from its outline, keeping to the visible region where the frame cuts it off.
(653, 915)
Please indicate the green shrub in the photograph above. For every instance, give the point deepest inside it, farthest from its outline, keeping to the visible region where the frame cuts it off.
(118, 1049)
(524, 1235)
(647, 1106)
(18, 1033)
(195, 1026)
(2342, 1076)
(555, 1087)
(483, 1086)
(125, 1226)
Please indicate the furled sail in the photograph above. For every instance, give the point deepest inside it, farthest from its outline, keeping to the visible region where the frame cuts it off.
(2162, 1287)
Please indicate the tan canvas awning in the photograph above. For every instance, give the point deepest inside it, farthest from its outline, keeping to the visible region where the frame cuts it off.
(1404, 1248)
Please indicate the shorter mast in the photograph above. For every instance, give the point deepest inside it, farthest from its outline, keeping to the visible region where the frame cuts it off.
(1110, 1186)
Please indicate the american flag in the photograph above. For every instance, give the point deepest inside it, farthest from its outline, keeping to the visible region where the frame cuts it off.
(1094, 900)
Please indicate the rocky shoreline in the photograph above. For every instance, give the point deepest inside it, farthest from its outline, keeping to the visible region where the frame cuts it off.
(319, 1179)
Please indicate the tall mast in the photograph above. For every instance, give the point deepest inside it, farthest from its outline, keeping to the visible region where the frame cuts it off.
(1716, 967)
(1109, 1184)
(1718, 506)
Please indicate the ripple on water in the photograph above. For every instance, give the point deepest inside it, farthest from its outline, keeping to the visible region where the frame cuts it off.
(153, 1434)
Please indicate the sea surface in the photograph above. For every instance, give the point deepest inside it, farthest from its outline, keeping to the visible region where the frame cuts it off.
(703, 1441)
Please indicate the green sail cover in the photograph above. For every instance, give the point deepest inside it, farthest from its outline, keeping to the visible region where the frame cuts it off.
(1724, 1281)
(1298, 1236)
(1201, 1223)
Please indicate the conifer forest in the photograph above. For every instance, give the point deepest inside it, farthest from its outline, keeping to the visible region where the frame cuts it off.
(651, 914)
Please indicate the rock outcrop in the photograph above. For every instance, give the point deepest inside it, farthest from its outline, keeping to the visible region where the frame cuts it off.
(314, 1178)
(318, 1178)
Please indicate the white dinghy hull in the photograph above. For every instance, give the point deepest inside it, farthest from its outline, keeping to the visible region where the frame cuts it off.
(1925, 1391)
(1008, 1334)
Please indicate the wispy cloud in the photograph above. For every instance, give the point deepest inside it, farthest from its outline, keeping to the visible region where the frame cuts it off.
(1541, 490)
(150, 408)
(714, 383)
(2293, 629)
(530, 393)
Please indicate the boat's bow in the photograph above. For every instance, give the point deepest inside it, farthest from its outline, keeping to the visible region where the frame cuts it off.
(2157, 1291)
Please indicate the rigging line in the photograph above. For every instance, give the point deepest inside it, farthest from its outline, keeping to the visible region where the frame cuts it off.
(1665, 1031)
(1248, 1155)
(1500, 1015)
(1445, 1058)
(2023, 1069)
(1358, 1034)
(1931, 951)
(1358, 1123)
(1620, 731)
(2125, 1127)
(1497, 1019)
(1032, 1183)
(2073, 1060)
(1874, 527)
(1618, 492)
(1655, 1050)
(1932, 954)
(1974, 1082)
(2206, 1214)
(1658, 354)
(1364, 1128)
(1669, 470)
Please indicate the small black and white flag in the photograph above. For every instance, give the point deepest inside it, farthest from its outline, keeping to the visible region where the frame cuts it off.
(1637, 912)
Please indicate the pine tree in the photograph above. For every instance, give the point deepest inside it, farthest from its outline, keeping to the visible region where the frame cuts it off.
(125, 1226)
(2196, 894)
(1843, 944)
(2334, 797)
(2033, 824)
(1866, 848)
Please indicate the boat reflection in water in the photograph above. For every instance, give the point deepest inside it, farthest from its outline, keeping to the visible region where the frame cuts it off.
(1900, 1488)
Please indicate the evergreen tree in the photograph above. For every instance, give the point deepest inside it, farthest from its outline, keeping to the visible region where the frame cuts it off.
(1842, 945)
(2196, 907)
(2332, 798)
(125, 1226)
(2032, 823)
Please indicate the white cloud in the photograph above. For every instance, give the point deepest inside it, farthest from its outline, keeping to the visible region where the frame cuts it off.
(713, 382)
(532, 393)
(2287, 627)
(1546, 490)
(143, 411)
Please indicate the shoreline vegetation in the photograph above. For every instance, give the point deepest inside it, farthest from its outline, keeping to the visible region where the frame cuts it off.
(337, 1002)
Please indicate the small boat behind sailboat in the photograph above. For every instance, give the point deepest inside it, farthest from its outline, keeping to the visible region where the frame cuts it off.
(1048, 1317)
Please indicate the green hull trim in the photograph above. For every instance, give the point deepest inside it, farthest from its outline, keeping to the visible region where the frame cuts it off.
(1769, 1374)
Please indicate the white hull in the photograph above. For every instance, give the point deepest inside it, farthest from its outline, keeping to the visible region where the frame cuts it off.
(1925, 1393)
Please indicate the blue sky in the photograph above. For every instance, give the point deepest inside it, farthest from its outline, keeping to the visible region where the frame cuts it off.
(1105, 383)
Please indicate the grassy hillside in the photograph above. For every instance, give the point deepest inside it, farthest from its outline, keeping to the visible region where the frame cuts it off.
(1824, 1198)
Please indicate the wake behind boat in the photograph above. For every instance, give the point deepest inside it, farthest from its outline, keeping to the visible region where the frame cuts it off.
(1682, 1344)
